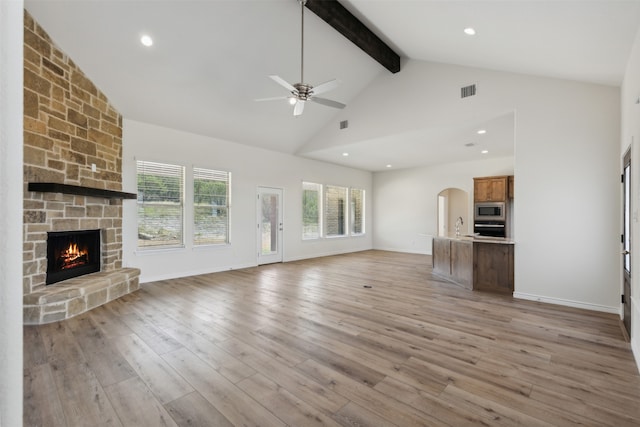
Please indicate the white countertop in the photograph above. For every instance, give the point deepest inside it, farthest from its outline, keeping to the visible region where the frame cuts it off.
(478, 239)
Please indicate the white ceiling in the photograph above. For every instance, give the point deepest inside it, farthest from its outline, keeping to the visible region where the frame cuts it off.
(211, 59)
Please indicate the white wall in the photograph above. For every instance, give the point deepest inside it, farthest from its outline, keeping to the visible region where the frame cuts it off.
(250, 168)
(631, 138)
(11, 36)
(566, 160)
(406, 201)
(566, 166)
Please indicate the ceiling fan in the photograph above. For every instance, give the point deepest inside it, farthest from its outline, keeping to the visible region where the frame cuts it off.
(303, 92)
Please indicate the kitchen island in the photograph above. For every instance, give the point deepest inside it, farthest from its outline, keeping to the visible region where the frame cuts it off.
(475, 262)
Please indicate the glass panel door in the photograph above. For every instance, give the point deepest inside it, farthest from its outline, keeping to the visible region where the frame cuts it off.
(269, 225)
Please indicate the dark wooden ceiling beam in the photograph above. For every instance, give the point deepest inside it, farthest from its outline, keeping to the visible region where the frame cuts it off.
(353, 29)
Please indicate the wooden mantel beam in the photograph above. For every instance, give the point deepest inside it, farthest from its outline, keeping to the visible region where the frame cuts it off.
(353, 29)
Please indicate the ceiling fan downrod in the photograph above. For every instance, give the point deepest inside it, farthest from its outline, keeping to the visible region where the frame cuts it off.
(302, 4)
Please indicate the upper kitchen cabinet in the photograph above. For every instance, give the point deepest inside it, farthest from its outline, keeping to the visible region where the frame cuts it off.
(490, 189)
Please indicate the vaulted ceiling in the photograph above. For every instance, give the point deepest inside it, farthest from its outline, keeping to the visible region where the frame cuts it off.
(211, 59)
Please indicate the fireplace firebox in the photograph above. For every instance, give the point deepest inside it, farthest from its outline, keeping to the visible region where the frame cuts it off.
(71, 254)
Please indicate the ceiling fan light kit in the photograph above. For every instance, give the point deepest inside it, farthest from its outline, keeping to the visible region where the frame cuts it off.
(303, 92)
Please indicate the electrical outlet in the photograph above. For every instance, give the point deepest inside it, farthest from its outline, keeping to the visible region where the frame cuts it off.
(93, 167)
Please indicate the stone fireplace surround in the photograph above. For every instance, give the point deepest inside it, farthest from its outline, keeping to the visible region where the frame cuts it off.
(65, 299)
(72, 140)
(70, 297)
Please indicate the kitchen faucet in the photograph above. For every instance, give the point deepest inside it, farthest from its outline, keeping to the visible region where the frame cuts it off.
(459, 222)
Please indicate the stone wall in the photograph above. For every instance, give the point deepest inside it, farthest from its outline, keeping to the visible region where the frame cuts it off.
(69, 126)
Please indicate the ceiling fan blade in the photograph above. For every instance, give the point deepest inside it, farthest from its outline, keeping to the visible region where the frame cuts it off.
(275, 98)
(282, 82)
(297, 110)
(326, 86)
(328, 102)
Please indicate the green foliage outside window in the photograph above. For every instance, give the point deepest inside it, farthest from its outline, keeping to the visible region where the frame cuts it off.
(210, 206)
(160, 205)
(310, 210)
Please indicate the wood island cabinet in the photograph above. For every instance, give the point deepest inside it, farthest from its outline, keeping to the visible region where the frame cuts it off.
(441, 256)
(453, 260)
(491, 189)
(462, 263)
(493, 267)
(474, 264)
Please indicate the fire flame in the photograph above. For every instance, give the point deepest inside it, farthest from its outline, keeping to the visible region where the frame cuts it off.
(73, 256)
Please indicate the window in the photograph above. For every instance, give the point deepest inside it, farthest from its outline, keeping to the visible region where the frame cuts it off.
(311, 208)
(341, 211)
(211, 199)
(357, 211)
(335, 211)
(160, 205)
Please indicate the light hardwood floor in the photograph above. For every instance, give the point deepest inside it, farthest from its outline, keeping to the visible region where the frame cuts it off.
(309, 343)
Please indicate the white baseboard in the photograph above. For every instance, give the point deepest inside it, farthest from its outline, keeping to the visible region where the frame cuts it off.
(323, 254)
(568, 303)
(635, 336)
(193, 273)
(402, 250)
(635, 349)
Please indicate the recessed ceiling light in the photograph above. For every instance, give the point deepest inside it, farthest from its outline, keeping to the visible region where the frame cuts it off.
(484, 151)
(345, 154)
(470, 31)
(388, 166)
(146, 40)
(482, 132)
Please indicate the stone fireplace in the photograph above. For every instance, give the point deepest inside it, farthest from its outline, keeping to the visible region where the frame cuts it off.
(72, 180)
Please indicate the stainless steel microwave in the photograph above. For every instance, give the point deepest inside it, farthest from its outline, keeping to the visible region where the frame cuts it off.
(490, 211)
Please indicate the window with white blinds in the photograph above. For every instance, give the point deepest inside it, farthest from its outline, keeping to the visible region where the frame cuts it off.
(357, 212)
(160, 205)
(311, 209)
(211, 201)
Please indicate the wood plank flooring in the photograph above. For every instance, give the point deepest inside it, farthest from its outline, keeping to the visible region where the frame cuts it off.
(307, 344)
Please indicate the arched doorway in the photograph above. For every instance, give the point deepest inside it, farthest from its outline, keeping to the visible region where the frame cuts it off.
(453, 203)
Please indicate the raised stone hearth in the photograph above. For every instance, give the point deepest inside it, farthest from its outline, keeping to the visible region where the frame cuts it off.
(71, 297)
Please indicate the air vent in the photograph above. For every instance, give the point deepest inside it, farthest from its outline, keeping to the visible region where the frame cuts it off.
(468, 91)
(344, 124)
